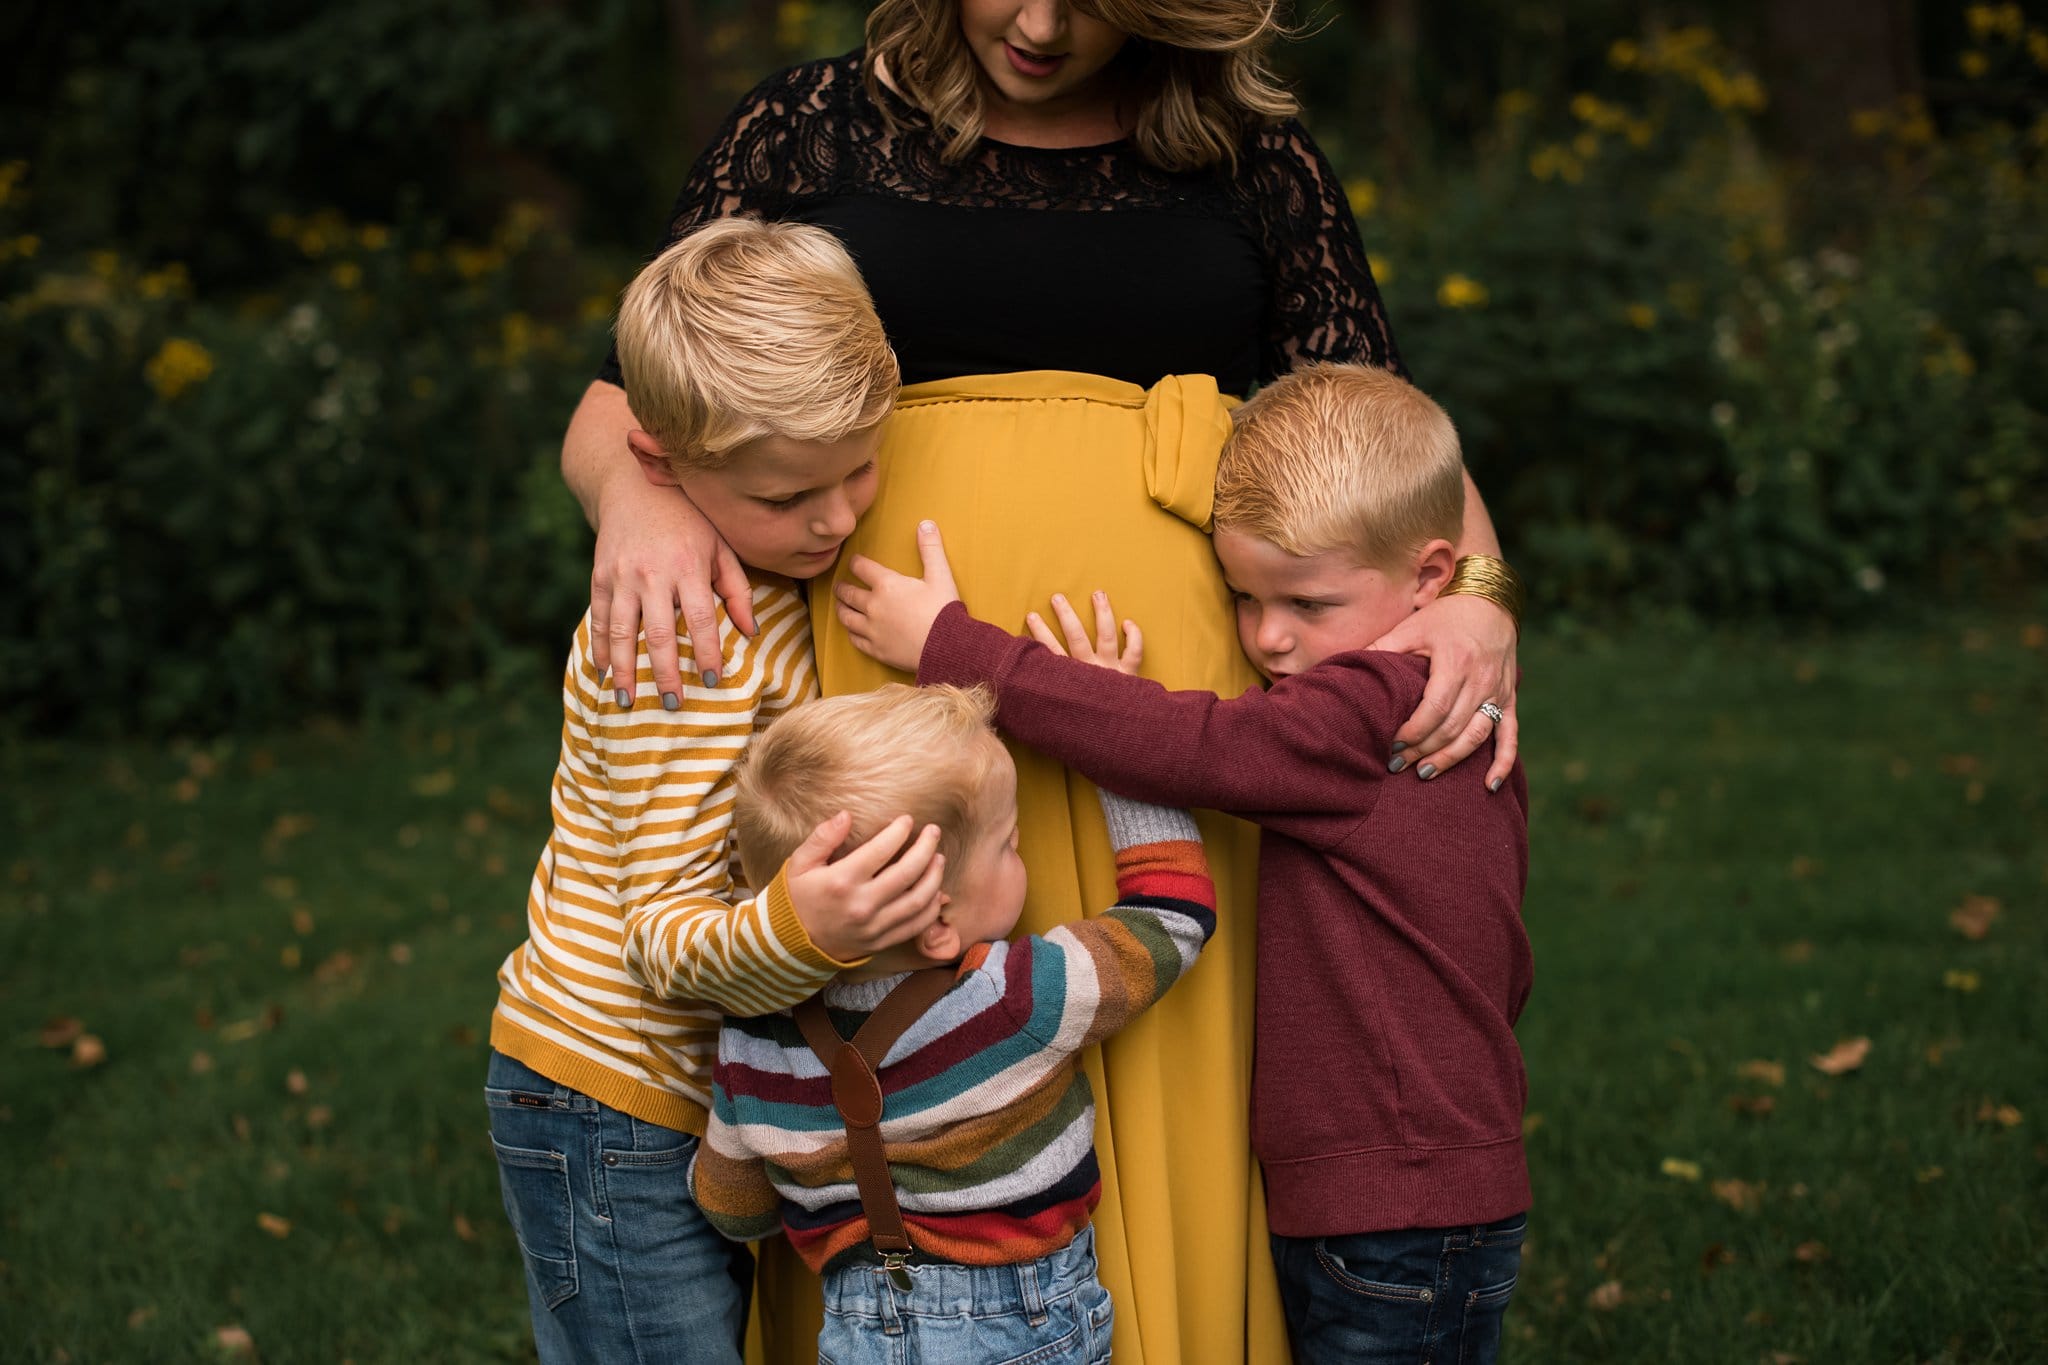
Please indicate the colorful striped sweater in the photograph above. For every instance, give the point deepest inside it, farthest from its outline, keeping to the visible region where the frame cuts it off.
(639, 936)
(989, 1122)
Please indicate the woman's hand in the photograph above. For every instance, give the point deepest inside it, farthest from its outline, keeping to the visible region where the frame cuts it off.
(854, 907)
(890, 617)
(1470, 645)
(1102, 651)
(655, 550)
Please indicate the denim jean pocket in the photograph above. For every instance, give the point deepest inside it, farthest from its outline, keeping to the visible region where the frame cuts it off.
(537, 1200)
(1485, 1314)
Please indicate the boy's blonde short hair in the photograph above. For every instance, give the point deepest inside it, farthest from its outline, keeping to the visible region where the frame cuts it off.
(744, 329)
(925, 751)
(1342, 457)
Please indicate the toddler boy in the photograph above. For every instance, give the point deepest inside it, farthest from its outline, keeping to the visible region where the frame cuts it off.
(755, 363)
(1392, 963)
(951, 1220)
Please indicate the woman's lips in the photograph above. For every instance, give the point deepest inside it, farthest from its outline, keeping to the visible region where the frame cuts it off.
(1032, 64)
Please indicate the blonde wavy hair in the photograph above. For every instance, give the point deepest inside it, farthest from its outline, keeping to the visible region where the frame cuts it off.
(927, 751)
(744, 329)
(1342, 457)
(1202, 79)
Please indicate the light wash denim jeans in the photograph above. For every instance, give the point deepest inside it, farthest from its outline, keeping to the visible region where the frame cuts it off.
(1051, 1311)
(1400, 1298)
(621, 1266)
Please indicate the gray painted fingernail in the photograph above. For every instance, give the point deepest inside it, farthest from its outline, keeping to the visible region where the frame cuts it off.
(671, 702)
(625, 699)
(1399, 745)
(711, 677)
(1426, 771)
(1397, 765)
(1494, 785)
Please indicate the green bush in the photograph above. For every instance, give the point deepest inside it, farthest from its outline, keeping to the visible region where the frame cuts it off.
(238, 513)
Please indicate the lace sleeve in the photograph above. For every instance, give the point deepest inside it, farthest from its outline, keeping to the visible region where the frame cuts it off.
(752, 165)
(1324, 304)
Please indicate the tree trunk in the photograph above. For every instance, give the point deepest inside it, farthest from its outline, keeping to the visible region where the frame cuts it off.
(1826, 59)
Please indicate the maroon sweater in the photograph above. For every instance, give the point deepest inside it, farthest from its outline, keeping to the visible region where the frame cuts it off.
(1387, 1088)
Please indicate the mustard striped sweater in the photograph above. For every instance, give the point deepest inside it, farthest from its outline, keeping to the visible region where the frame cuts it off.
(639, 935)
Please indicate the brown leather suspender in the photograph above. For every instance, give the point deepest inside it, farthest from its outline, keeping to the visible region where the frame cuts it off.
(857, 1095)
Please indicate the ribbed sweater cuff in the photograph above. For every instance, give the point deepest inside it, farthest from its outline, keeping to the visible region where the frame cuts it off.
(1132, 823)
(789, 931)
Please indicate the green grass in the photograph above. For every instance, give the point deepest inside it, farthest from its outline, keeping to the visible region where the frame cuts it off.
(1747, 848)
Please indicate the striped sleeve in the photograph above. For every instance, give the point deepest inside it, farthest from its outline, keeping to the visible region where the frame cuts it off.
(728, 1179)
(667, 796)
(1085, 981)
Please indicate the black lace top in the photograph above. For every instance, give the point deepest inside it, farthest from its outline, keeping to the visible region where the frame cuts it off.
(1023, 258)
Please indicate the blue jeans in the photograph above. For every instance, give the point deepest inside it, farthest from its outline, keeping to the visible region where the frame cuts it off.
(1052, 1311)
(1421, 1297)
(620, 1264)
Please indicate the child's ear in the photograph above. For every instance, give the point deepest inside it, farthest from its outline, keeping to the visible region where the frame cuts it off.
(940, 940)
(1433, 568)
(653, 459)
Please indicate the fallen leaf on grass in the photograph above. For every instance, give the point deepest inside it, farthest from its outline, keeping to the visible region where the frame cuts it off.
(1973, 918)
(1531, 1122)
(1842, 1058)
(302, 921)
(1959, 765)
(1803, 868)
(1770, 1073)
(1799, 950)
(463, 1229)
(1753, 1106)
(1927, 1175)
(277, 1227)
(1714, 1257)
(401, 954)
(1680, 1169)
(240, 1123)
(289, 957)
(1607, 1297)
(437, 783)
(335, 967)
(2034, 636)
(202, 1062)
(1740, 1195)
(1807, 1253)
(295, 1081)
(2004, 1115)
(139, 1319)
(87, 1051)
(319, 1116)
(1963, 981)
(234, 1340)
(60, 1032)
(283, 888)
(1786, 1358)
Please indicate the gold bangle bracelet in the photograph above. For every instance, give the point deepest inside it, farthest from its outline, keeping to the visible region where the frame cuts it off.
(1488, 577)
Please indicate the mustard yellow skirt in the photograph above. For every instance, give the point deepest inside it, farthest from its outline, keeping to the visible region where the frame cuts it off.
(1050, 482)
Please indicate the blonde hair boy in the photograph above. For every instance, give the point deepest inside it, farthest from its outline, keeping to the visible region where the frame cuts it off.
(930, 752)
(745, 329)
(1342, 457)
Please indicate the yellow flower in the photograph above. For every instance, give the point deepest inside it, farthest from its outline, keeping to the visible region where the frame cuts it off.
(1869, 122)
(1585, 108)
(1364, 196)
(312, 239)
(1461, 291)
(793, 22)
(1639, 132)
(105, 264)
(515, 332)
(1623, 54)
(2037, 48)
(1587, 144)
(1983, 18)
(27, 245)
(346, 274)
(471, 262)
(422, 386)
(11, 174)
(1512, 104)
(1553, 162)
(594, 308)
(422, 262)
(172, 280)
(1974, 64)
(1383, 269)
(178, 365)
(1641, 316)
(283, 226)
(373, 236)
(2041, 276)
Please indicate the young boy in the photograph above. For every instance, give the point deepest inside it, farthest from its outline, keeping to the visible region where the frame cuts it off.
(754, 360)
(1392, 964)
(968, 1238)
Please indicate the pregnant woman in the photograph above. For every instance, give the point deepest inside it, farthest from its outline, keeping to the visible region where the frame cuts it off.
(1083, 228)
